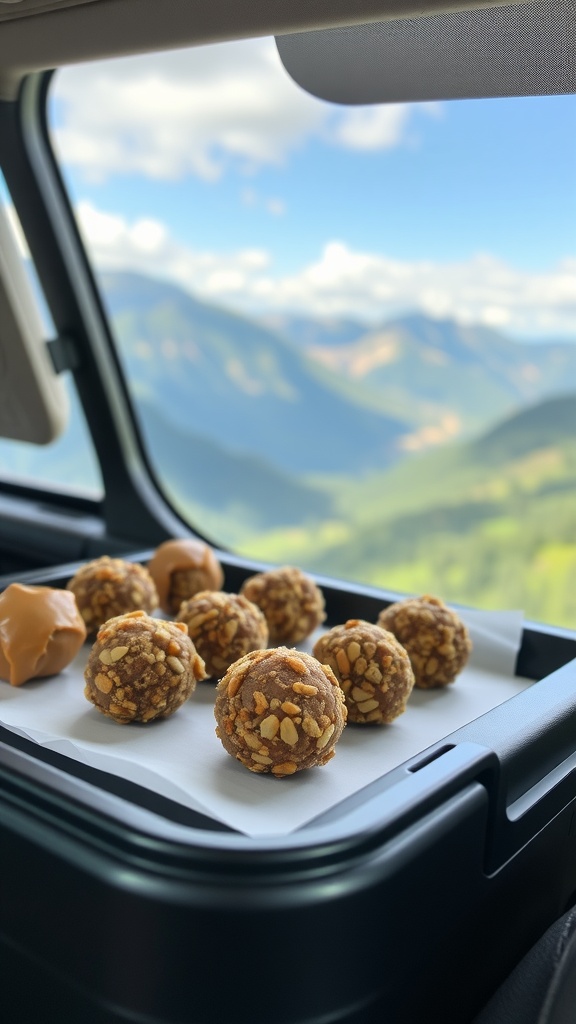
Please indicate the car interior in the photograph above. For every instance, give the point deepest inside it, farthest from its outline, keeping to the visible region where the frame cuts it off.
(201, 345)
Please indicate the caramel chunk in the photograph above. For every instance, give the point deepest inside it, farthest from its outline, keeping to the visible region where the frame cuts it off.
(279, 711)
(107, 587)
(141, 668)
(223, 627)
(182, 568)
(372, 668)
(291, 601)
(41, 631)
(436, 640)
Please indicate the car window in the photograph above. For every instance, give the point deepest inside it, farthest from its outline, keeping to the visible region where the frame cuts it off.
(348, 332)
(68, 463)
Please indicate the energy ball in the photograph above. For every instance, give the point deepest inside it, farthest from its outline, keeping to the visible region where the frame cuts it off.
(223, 627)
(182, 568)
(372, 668)
(107, 587)
(437, 641)
(279, 711)
(141, 668)
(41, 631)
(291, 601)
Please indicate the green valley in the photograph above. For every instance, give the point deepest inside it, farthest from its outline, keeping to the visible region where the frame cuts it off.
(490, 523)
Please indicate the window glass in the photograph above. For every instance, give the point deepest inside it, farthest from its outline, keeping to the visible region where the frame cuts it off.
(348, 331)
(69, 462)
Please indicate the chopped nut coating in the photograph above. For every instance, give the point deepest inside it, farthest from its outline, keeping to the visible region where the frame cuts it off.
(223, 628)
(291, 601)
(107, 587)
(372, 668)
(436, 640)
(256, 698)
(131, 677)
(182, 568)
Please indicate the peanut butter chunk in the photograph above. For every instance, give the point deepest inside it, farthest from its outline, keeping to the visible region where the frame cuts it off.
(181, 568)
(41, 631)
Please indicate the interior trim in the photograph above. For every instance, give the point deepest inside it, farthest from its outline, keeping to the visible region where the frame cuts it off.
(75, 32)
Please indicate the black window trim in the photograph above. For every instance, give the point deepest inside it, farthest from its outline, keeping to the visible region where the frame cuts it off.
(134, 507)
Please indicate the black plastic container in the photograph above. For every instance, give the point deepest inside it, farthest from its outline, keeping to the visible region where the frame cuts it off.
(410, 901)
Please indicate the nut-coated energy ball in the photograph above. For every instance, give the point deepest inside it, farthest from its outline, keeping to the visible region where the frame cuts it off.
(223, 627)
(182, 568)
(279, 711)
(107, 587)
(291, 601)
(141, 668)
(372, 668)
(435, 638)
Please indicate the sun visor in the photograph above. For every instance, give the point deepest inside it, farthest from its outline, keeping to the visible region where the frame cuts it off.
(33, 403)
(516, 50)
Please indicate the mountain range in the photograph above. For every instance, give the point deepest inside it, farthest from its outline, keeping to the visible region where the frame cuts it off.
(222, 377)
(420, 450)
(453, 378)
(323, 397)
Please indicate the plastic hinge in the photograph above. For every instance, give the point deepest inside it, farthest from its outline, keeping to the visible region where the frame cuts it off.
(63, 353)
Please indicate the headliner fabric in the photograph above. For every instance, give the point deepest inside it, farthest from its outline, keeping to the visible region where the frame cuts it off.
(14, 9)
(41, 34)
(517, 50)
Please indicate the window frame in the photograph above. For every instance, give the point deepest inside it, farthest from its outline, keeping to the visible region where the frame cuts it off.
(134, 511)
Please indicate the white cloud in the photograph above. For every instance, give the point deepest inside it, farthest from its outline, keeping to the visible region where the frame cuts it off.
(186, 112)
(146, 246)
(276, 207)
(344, 282)
(199, 111)
(372, 128)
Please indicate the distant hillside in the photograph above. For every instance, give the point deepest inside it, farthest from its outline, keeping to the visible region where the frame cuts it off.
(549, 423)
(220, 376)
(307, 332)
(195, 470)
(523, 452)
(490, 522)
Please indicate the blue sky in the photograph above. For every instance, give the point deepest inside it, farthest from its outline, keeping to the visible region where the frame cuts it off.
(211, 167)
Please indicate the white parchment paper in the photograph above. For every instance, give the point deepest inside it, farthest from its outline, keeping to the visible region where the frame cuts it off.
(181, 757)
